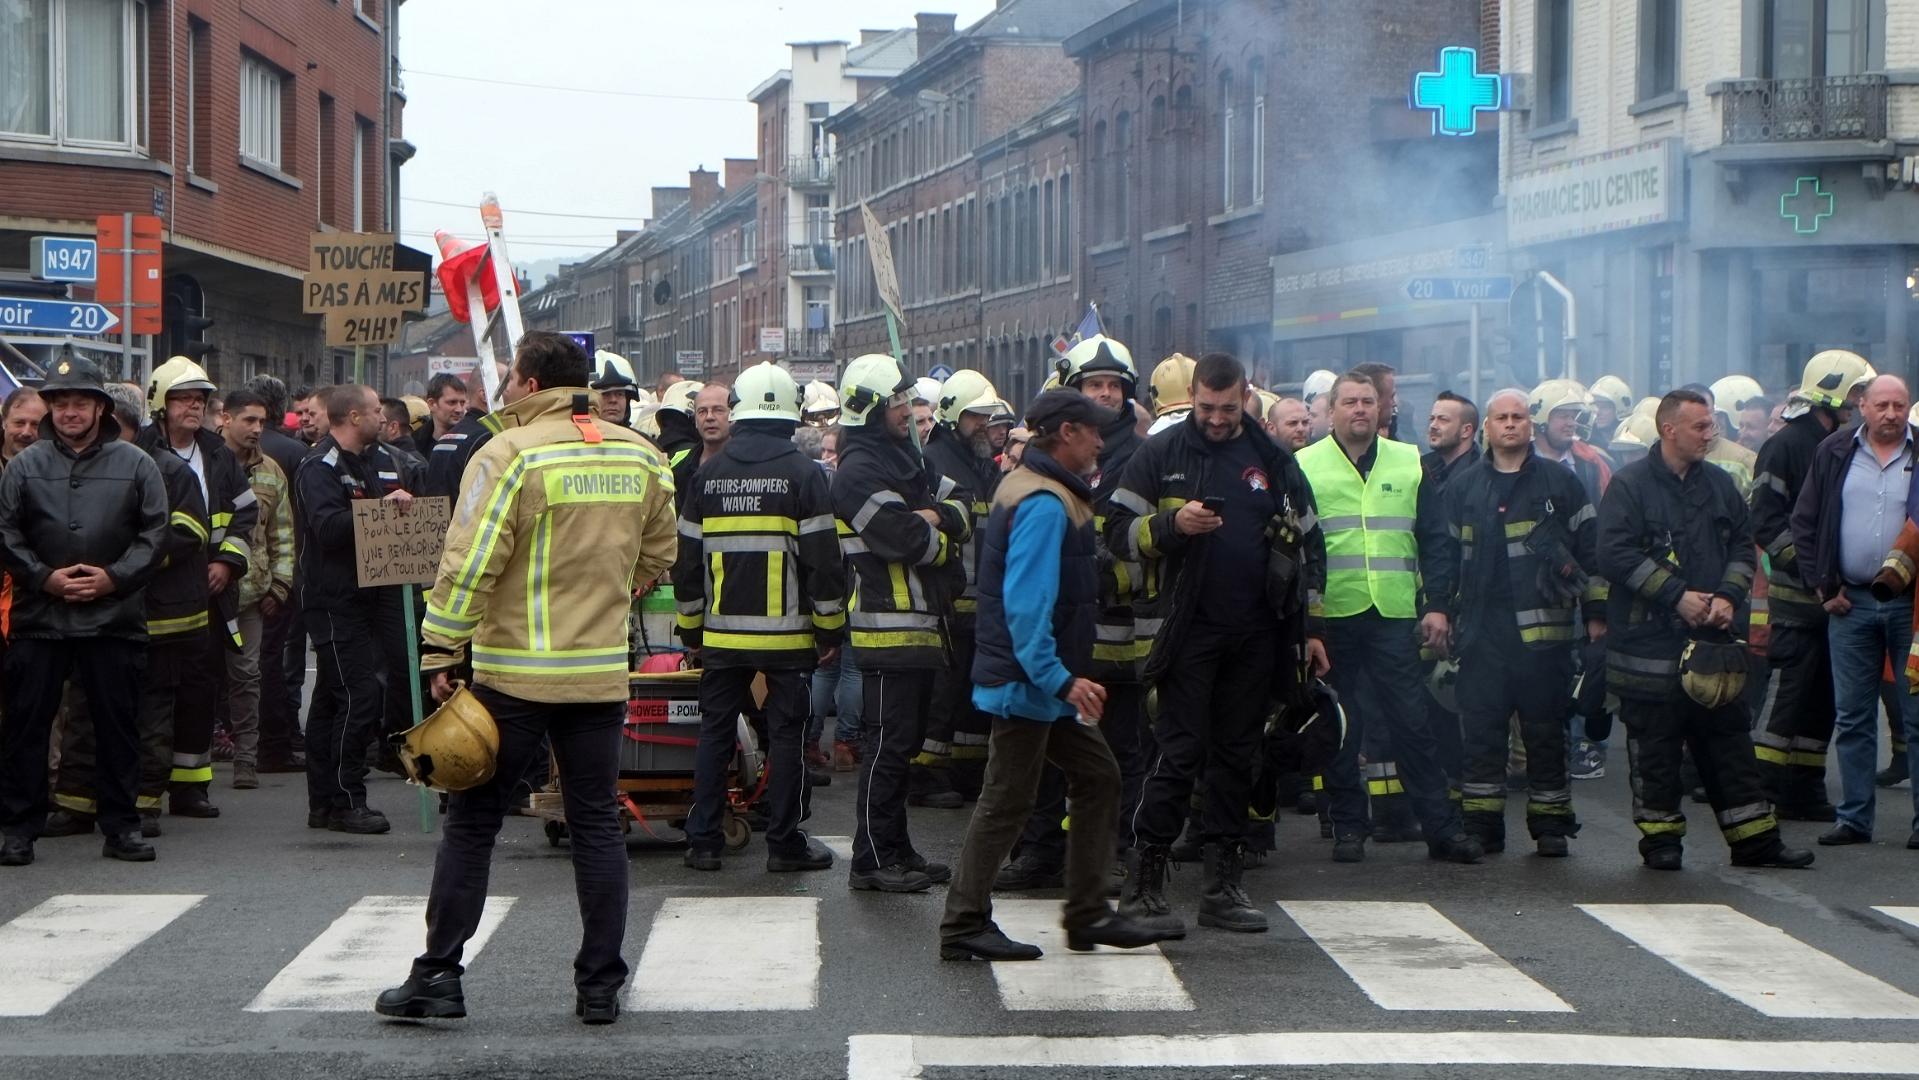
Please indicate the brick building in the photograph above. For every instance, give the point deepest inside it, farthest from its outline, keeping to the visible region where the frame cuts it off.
(243, 126)
(920, 150)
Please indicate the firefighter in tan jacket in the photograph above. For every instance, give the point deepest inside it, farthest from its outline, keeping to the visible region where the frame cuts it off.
(557, 519)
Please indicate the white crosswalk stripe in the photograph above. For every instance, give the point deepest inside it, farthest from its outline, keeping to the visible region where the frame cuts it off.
(366, 950)
(1409, 956)
(1755, 964)
(730, 954)
(1907, 915)
(1104, 980)
(51, 951)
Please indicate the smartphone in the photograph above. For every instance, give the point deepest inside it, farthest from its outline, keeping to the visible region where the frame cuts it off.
(1214, 504)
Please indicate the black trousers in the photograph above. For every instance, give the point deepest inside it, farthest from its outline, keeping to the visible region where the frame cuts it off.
(1044, 836)
(1213, 702)
(1017, 750)
(892, 719)
(279, 712)
(180, 693)
(347, 704)
(293, 665)
(1792, 748)
(1376, 673)
(1721, 747)
(726, 693)
(586, 740)
(109, 671)
(1498, 678)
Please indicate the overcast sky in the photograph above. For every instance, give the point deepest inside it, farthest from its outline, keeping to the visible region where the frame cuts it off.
(593, 154)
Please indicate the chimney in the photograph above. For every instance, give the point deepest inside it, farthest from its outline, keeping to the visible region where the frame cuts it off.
(933, 29)
(704, 184)
(668, 199)
(621, 236)
(741, 172)
(868, 37)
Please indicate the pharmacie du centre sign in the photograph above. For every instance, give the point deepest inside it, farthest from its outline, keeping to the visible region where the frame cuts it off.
(1605, 193)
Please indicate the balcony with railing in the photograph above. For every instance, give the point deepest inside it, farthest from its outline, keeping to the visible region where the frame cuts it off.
(805, 344)
(810, 259)
(807, 170)
(1839, 107)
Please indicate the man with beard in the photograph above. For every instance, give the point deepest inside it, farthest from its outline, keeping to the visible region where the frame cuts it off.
(22, 415)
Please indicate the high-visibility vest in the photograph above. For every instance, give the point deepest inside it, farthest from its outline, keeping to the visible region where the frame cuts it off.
(1372, 558)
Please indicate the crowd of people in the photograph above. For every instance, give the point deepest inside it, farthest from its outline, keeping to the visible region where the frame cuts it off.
(1158, 610)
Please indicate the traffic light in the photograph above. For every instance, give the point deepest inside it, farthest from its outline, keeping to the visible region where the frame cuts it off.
(183, 311)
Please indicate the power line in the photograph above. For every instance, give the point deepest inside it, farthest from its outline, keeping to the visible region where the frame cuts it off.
(520, 243)
(577, 89)
(475, 206)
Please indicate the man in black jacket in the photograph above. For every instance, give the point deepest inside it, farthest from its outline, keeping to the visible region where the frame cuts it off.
(339, 614)
(1675, 545)
(1232, 552)
(82, 520)
(446, 405)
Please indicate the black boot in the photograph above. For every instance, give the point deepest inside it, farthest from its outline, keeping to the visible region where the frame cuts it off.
(1028, 872)
(127, 847)
(1189, 847)
(1224, 904)
(432, 995)
(64, 822)
(1145, 897)
(190, 800)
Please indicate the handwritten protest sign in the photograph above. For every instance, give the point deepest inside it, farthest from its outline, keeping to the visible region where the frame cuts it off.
(392, 548)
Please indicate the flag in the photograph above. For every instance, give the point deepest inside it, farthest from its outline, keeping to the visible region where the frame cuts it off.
(461, 261)
(8, 382)
(1088, 326)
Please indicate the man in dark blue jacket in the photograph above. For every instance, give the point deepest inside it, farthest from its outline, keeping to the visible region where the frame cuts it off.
(1038, 603)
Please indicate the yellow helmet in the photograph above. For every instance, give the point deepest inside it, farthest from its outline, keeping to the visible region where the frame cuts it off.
(1267, 399)
(1638, 430)
(965, 390)
(679, 397)
(1555, 394)
(1831, 376)
(765, 391)
(1613, 389)
(416, 409)
(1647, 407)
(641, 413)
(1730, 394)
(1173, 384)
(177, 374)
(1052, 383)
(1098, 355)
(455, 749)
(873, 382)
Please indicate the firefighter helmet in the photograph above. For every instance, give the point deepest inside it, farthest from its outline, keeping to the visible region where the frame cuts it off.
(176, 375)
(455, 749)
(416, 409)
(926, 388)
(820, 399)
(1555, 394)
(679, 397)
(1614, 389)
(765, 391)
(1831, 376)
(77, 374)
(612, 372)
(1713, 673)
(965, 391)
(1443, 684)
(1317, 383)
(1098, 355)
(872, 382)
(1173, 384)
(1730, 394)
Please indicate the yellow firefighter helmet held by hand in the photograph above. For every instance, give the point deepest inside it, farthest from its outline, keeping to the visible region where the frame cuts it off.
(1173, 384)
(455, 749)
(1713, 673)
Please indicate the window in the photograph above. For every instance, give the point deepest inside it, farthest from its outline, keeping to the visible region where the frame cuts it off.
(1067, 252)
(1099, 180)
(1256, 155)
(370, 10)
(1817, 39)
(1047, 265)
(1122, 174)
(1226, 140)
(817, 143)
(1158, 160)
(1554, 62)
(260, 131)
(1658, 48)
(199, 96)
(328, 172)
(362, 135)
(73, 72)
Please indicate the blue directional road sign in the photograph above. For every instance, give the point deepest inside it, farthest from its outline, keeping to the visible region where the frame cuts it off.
(1496, 288)
(65, 258)
(56, 316)
(941, 372)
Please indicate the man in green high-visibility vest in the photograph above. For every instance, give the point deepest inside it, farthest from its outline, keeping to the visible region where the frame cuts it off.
(1386, 537)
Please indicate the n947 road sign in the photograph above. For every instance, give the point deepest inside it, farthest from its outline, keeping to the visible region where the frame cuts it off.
(55, 316)
(64, 258)
(1491, 287)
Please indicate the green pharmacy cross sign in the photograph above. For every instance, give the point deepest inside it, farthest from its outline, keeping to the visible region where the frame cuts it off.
(1804, 207)
(1457, 93)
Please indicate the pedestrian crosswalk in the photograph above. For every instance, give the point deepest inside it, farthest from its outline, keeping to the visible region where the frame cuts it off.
(720, 954)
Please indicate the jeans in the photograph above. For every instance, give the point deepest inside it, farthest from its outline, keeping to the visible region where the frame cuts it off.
(836, 690)
(1862, 640)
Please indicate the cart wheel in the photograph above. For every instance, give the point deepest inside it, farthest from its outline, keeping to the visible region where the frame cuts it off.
(555, 832)
(736, 832)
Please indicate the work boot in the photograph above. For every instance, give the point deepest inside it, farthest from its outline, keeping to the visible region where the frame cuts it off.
(1893, 774)
(895, 878)
(1665, 857)
(1189, 847)
(846, 756)
(931, 787)
(1119, 932)
(190, 800)
(1778, 857)
(597, 1010)
(1028, 872)
(815, 856)
(64, 822)
(695, 859)
(317, 819)
(817, 758)
(16, 851)
(359, 820)
(1349, 848)
(989, 944)
(149, 821)
(1552, 846)
(222, 748)
(1145, 898)
(1458, 848)
(432, 995)
(1224, 904)
(937, 872)
(245, 776)
(1116, 878)
(127, 847)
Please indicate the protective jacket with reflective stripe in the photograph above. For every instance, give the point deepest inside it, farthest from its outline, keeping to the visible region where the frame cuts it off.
(975, 480)
(1122, 637)
(177, 595)
(1784, 462)
(1660, 535)
(759, 580)
(1372, 553)
(560, 517)
(1548, 505)
(902, 572)
(232, 513)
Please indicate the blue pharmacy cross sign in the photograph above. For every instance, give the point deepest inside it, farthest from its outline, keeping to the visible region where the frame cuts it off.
(1457, 93)
(1806, 206)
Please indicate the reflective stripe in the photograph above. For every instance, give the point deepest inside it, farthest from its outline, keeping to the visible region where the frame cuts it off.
(1341, 523)
(1585, 513)
(449, 624)
(719, 639)
(935, 549)
(1737, 814)
(895, 639)
(1777, 484)
(196, 621)
(245, 499)
(886, 619)
(1142, 538)
(872, 507)
(816, 524)
(569, 661)
(775, 581)
(756, 523)
(539, 619)
(753, 542)
(689, 529)
(1125, 497)
(1346, 562)
(1658, 828)
(715, 577)
(1380, 562)
(1641, 664)
(190, 523)
(1390, 524)
(902, 596)
(1544, 617)
(1736, 833)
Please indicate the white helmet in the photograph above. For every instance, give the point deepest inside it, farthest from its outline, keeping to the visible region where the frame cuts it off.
(820, 398)
(966, 391)
(1730, 394)
(765, 391)
(1555, 394)
(612, 372)
(1831, 376)
(1317, 383)
(872, 383)
(679, 397)
(927, 389)
(1614, 389)
(178, 375)
(1098, 355)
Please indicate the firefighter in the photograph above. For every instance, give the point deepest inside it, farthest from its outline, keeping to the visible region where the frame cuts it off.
(952, 760)
(1562, 412)
(1676, 546)
(679, 437)
(1384, 533)
(613, 378)
(446, 465)
(1526, 535)
(901, 531)
(1222, 517)
(177, 397)
(761, 593)
(1172, 392)
(1612, 403)
(1792, 746)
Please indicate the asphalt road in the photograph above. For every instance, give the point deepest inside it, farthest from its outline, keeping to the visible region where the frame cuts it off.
(1490, 970)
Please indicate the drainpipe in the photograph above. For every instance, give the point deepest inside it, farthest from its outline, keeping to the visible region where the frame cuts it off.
(1572, 326)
